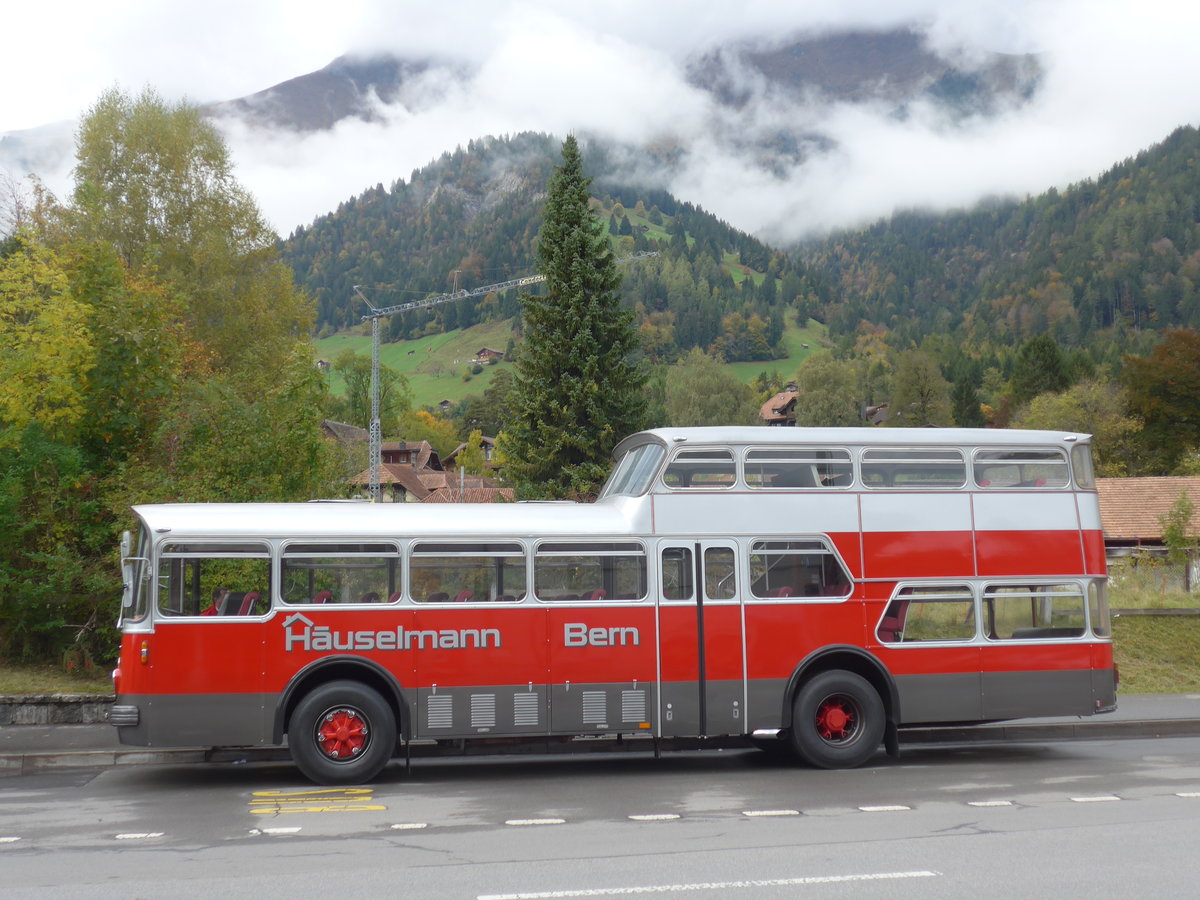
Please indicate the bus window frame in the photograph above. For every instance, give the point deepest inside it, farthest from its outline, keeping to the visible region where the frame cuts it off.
(781, 455)
(196, 550)
(978, 462)
(828, 549)
(865, 462)
(396, 552)
(690, 488)
(969, 592)
(539, 552)
(464, 548)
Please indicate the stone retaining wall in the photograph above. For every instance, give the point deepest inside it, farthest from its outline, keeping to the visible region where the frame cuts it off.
(54, 709)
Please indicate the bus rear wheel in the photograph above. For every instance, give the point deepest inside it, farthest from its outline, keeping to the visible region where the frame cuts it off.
(342, 732)
(837, 720)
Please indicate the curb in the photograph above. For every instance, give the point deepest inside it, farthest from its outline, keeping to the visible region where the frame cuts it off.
(49, 761)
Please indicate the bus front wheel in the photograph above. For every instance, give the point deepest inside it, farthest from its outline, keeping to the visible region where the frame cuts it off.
(342, 732)
(837, 720)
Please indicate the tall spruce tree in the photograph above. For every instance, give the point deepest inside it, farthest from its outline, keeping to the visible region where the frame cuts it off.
(577, 390)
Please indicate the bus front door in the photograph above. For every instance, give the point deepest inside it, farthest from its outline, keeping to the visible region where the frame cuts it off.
(701, 657)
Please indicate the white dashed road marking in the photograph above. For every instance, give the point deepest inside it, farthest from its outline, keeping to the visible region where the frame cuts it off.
(708, 886)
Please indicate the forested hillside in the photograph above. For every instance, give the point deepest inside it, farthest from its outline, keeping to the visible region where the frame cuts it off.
(474, 214)
(1090, 265)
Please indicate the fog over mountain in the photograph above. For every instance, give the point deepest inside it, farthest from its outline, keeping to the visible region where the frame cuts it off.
(785, 123)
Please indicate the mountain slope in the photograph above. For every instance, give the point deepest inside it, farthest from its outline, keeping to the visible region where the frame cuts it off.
(1118, 252)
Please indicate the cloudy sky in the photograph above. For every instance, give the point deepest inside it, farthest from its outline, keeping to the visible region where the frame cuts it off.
(1119, 76)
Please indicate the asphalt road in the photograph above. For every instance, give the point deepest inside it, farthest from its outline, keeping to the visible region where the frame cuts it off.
(1095, 818)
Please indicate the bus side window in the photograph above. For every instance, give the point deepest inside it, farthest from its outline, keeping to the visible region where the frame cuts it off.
(1037, 611)
(796, 568)
(214, 580)
(929, 613)
(467, 572)
(589, 571)
(677, 573)
(340, 573)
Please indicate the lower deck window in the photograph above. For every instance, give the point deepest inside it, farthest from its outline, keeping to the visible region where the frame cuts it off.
(214, 580)
(340, 573)
(798, 568)
(928, 613)
(587, 572)
(1038, 611)
(467, 573)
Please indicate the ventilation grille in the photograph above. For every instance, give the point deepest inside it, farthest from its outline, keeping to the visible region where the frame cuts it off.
(633, 706)
(439, 711)
(525, 709)
(595, 708)
(483, 710)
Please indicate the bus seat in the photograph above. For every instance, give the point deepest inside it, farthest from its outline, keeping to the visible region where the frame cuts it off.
(232, 603)
(210, 611)
(370, 597)
(592, 596)
(323, 597)
(785, 591)
(248, 602)
(439, 597)
(396, 596)
(464, 596)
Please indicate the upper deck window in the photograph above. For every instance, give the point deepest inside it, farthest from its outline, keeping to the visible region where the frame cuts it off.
(701, 470)
(915, 469)
(1032, 468)
(634, 472)
(1081, 460)
(805, 467)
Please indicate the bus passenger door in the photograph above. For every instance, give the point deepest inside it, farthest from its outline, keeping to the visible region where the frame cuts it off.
(701, 647)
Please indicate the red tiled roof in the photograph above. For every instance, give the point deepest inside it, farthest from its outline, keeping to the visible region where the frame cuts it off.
(778, 407)
(1130, 508)
(471, 495)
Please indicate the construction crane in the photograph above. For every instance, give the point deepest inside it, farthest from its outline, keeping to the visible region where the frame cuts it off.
(376, 436)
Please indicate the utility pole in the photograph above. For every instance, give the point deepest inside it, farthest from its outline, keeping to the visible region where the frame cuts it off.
(376, 442)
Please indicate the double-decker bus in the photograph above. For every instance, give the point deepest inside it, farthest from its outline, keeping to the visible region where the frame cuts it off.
(815, 589)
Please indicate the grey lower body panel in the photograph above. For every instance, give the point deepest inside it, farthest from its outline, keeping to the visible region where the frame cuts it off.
(990, 696)
(199, 720)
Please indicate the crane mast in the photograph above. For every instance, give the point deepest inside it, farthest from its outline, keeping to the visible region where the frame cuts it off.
(376, 437)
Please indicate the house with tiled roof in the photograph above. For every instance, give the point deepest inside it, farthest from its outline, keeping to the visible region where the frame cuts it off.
(1132, 509)
(780, 409)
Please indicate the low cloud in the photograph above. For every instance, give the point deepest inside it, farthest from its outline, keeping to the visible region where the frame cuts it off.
(1116, 77)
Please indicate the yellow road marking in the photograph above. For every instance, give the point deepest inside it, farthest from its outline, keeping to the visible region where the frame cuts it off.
(314, 801)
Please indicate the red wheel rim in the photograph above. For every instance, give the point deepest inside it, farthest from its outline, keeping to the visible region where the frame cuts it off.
(838, 719)
(342, 733)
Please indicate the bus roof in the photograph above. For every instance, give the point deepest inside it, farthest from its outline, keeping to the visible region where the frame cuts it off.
(348, 520)
(853, 437)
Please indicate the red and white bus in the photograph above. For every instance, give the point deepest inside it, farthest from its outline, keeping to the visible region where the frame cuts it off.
(822, 588)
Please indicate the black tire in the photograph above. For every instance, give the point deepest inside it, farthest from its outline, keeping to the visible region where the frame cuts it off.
(837, 720)
(342, 732)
